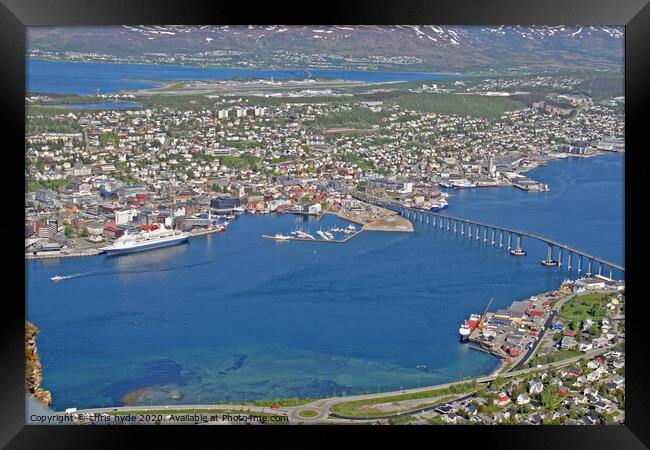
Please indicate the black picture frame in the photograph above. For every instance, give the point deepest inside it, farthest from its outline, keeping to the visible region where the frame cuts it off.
(15, 15)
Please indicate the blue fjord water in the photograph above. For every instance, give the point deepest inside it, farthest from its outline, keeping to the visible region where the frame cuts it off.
(64, 77)
(234, 317)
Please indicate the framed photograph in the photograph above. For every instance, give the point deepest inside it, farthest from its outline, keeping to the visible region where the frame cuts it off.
(403, 216)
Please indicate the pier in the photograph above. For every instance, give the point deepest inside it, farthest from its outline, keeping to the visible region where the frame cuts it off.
(73, 254)
(502, 236)
(329, 241)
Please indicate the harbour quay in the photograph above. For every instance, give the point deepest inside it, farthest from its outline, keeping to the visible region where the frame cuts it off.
(538, 326)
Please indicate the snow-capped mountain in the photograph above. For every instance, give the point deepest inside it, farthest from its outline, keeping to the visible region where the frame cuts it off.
(442, 47)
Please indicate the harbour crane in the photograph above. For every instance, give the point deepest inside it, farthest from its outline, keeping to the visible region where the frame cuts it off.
(480, 323)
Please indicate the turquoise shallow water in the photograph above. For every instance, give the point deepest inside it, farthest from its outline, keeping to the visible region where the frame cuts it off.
(235, 317)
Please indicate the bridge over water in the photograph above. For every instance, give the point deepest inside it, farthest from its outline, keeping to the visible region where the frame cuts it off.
(496, 235)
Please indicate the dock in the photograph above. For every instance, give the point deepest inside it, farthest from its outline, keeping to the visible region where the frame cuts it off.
(329, 241)
(74, 254)
(205, 232)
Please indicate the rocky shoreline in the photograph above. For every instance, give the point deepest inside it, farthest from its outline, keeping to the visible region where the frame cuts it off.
(33, 373)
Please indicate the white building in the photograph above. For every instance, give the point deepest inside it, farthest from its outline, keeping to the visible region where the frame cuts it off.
(315, 208)
(590, 283)
(124, 216)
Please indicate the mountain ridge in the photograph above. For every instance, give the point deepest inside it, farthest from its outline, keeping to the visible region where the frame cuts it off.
(420, 46)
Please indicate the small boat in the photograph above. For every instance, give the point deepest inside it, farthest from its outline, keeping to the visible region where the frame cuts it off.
(520, 252)
(549, 262)
(421, 366)
(439, 205)
(57, 278)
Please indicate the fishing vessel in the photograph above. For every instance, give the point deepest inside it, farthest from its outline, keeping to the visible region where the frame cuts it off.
(549, 262)
(154, 237)
(475, 320)
(469, 325)
(439, 205)
(57, 278)
(463, 184)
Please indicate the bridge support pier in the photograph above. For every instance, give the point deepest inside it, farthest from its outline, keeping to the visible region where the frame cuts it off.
(569, 260)
(610, 273)
(589, 267)
(478, 232)
(549, 253)
(485, 235)
(462, 229)
(448, 225)
(493, 235)
(509, 241)
(559, 258)
(579, 264)
(469, 230)
(600, 268)
(500, 238)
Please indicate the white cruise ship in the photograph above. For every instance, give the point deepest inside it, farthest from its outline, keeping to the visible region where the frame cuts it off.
(146, 240)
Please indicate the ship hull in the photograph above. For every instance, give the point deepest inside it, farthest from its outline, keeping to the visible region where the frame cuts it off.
(145, 246)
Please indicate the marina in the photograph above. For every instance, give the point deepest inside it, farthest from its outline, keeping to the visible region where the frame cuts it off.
(282, 238)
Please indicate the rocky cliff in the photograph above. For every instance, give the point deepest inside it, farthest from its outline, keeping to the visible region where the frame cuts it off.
(33, 376)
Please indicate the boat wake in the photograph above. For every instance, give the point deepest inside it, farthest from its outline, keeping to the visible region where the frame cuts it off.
(128, 272)
(65, 277)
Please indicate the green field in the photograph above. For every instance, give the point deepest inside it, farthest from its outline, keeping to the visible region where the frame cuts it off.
(33, 186)
(350, 118)
(585, 306)
(553, 357)
(293, 401)
(464, 105)
(240, 162)
(364, 408)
